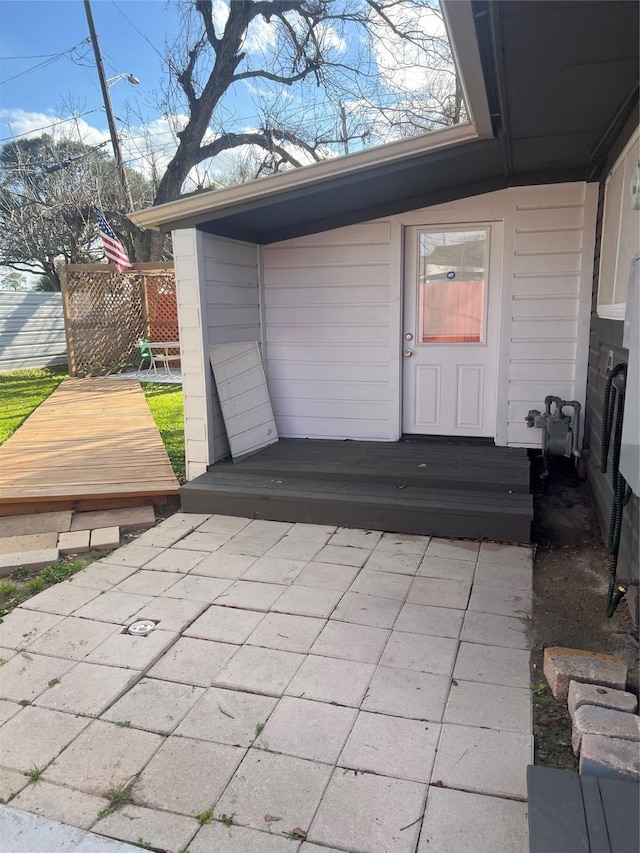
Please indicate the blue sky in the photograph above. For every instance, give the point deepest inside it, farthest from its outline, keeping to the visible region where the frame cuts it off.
(47, 72)
(36, 92)
(40, 28)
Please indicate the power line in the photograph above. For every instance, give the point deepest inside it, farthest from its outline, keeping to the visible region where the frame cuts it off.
(51, 58)
(48, 126)
(140, 33)
(34, 56)
(49, 167)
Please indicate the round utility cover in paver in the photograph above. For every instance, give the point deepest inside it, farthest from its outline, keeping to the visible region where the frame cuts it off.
(141, 628)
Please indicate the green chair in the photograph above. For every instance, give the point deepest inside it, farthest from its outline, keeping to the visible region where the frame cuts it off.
(144, 353)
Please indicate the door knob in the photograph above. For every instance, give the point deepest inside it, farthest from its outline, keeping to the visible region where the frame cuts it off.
(408, 353)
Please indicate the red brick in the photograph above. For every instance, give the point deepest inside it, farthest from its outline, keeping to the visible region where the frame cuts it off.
(562, 665)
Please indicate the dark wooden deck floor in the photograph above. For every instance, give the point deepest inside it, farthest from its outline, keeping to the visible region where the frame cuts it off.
(579, 813)
(422, 486)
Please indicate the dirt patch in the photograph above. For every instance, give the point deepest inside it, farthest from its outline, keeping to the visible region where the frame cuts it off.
(570, 587)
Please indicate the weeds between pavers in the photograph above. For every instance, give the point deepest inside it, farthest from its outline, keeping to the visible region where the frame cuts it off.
(7, 800)
(8, 589)
(206, 816)
(35, 773)
(117, 797)
(296, 834)
(21, 585)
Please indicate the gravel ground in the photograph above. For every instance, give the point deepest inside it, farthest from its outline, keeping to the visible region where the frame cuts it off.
(570, 588)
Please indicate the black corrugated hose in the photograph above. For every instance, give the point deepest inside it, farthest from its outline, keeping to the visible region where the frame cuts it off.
(614, 394)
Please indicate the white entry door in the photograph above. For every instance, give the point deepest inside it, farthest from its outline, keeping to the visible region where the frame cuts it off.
(451, 329)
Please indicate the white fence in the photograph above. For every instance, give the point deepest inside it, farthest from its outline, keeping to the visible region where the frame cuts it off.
(31, 330)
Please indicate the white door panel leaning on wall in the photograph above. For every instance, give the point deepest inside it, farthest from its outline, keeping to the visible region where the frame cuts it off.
(451, 328)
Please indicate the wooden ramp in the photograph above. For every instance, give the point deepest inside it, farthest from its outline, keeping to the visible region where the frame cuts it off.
(92, 444)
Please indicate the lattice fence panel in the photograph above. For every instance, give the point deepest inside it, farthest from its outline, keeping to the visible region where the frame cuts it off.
(162, 308)
(105, 316)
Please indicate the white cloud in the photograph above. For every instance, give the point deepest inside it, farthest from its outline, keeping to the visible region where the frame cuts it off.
(401, 61)
(330, 39)
(29, 124)
(141, 145)
(147, 148)
(219, 14)
(260, 35)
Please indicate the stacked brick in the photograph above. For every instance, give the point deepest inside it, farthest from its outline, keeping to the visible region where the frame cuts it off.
(606, 728)
(33, 542)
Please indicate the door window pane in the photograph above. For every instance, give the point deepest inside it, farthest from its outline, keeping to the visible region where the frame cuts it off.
(452, 272)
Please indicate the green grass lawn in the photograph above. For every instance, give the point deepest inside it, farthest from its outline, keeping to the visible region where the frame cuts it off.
(22, 391)
(165, 402)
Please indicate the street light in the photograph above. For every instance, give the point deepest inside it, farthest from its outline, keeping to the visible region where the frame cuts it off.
(128, 77)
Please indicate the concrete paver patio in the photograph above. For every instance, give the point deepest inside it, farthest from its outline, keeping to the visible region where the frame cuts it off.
(366, 691)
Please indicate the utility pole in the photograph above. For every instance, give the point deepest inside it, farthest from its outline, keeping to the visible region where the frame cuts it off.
(108, 108)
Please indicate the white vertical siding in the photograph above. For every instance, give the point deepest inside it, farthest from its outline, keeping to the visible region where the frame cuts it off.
(333, 313)
(232, 311)
(547, 265)
(328, 311)
(31, 330)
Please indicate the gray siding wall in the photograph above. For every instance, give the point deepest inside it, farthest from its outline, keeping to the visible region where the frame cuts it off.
(331, 309)
(231, 310)
(31, 330)
(606, 337)
(218, 302)
(333, 306)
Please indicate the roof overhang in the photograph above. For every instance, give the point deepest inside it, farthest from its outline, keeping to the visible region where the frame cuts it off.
(547, 85)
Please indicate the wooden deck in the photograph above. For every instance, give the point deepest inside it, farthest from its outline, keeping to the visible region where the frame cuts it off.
(92, 444)
(442, 487)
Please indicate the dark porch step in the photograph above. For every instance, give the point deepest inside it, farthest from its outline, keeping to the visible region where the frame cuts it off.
(410, 462)
(576, 813)
(373, 505)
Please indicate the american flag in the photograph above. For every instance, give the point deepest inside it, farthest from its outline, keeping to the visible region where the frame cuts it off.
(113, 248)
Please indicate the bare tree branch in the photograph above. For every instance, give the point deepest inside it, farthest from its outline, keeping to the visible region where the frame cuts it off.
(234, 140)
(205, 7)
(185, 77)
(275, 78)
